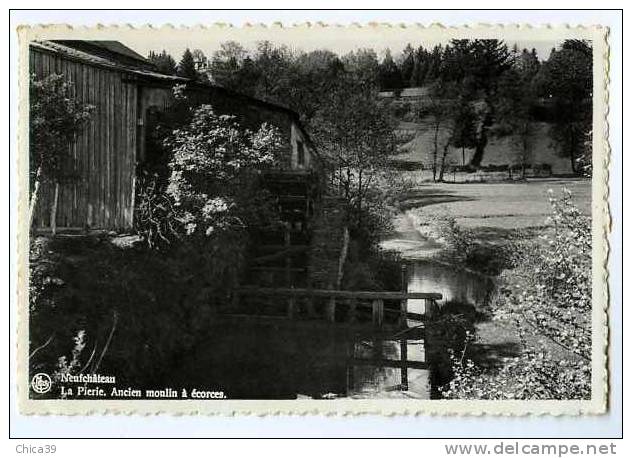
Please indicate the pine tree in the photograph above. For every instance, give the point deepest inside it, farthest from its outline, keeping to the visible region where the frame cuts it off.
(420, 67)
(164, 62)
(407, 64)
(186, 67)
(389, 74)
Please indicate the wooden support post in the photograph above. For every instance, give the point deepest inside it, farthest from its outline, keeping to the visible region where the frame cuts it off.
(53, 210)
(331, 310)
(353, 304)
(235, 299)
(431, 308)
(311, 312)
(378, 312)
(403, 322)
(404, 369)
(350, 367)
(291, 307)
(288, 261)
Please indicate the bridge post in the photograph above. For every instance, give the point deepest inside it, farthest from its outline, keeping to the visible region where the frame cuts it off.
(353, 304)
(378, 312)
(431, 308)
(311, 311)
(291, 307)
(287, 242)
(404, 302)
(403, 347)
(331, 309)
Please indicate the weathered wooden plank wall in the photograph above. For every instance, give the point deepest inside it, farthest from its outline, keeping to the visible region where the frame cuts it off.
(103, 157)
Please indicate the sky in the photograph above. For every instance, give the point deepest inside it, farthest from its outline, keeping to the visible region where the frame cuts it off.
(337, 40)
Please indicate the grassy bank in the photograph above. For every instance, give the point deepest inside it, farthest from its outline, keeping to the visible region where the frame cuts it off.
(103, 304)
(537, 324)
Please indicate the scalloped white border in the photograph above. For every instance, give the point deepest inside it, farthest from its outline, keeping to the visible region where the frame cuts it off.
(309, 31)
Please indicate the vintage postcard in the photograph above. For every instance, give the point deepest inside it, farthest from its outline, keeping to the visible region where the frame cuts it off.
(313, 219)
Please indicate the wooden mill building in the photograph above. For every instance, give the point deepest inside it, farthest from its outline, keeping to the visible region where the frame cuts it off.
(125, 89)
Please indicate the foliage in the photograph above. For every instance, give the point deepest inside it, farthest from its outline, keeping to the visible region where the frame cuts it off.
(163, 61)
(547, 297)
(214, 160)
(201, 62)
(516, 102)
(532, 375)
(154, 305)
(495, 89)
(210, 181)
(55, 118)
(187, 67)
(155, 216)
(355, 135)
(389, 74)
(457, 240)
(566, 80)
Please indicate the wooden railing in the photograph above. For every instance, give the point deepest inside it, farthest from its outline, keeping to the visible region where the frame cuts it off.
(352, 300)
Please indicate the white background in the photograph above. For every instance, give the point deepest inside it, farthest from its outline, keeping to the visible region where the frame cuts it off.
(312, 426)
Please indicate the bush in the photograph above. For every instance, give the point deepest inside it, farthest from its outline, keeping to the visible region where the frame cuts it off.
(458, 241)
(212, 180)
(547, 297)
(132, 312)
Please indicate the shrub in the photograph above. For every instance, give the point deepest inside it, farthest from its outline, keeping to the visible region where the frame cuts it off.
(55, 118)
(132, 312)
(212, 180)
(458, 241)
(548, 299)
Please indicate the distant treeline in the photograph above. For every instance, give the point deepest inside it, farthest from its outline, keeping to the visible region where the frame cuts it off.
(494, 89)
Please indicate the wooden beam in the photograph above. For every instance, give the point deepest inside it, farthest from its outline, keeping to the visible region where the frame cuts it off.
(388, 363)
(369, 295)
(268, 248)
(274, 269)
(377, 306)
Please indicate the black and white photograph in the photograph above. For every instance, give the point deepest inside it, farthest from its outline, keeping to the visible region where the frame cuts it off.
(337, 217)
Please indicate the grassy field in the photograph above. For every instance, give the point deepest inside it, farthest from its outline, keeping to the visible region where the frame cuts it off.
(496, 205)
(493, 213)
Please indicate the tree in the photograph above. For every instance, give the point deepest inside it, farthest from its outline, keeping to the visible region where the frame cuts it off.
(355, 134)
(310, 75)
(515, 103)
(164, 62)
(547, 298)
(566, 80)
(439, 108)
(55, 118)
(527, 63)
(434, 64)
(476, 66)
(420, 67)
(407, 64)
(228, 66)
(389, 73)
(363, 65)
(200, 60)
(212, 173)
(187, 66)
(273, 64)
(464, 131)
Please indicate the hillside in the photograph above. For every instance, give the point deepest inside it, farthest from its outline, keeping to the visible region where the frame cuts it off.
(499, 151)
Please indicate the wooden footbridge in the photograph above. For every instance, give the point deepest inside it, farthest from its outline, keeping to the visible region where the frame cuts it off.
(334, 306)
(294, 269)
(377, 316)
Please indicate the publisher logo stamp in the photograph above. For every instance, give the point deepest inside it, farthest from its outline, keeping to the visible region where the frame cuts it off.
(41, 383)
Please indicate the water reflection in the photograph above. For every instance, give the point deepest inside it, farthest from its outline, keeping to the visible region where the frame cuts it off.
(456, 285)
(255, 358)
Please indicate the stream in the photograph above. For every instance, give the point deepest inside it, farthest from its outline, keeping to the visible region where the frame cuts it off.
(252, 358)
